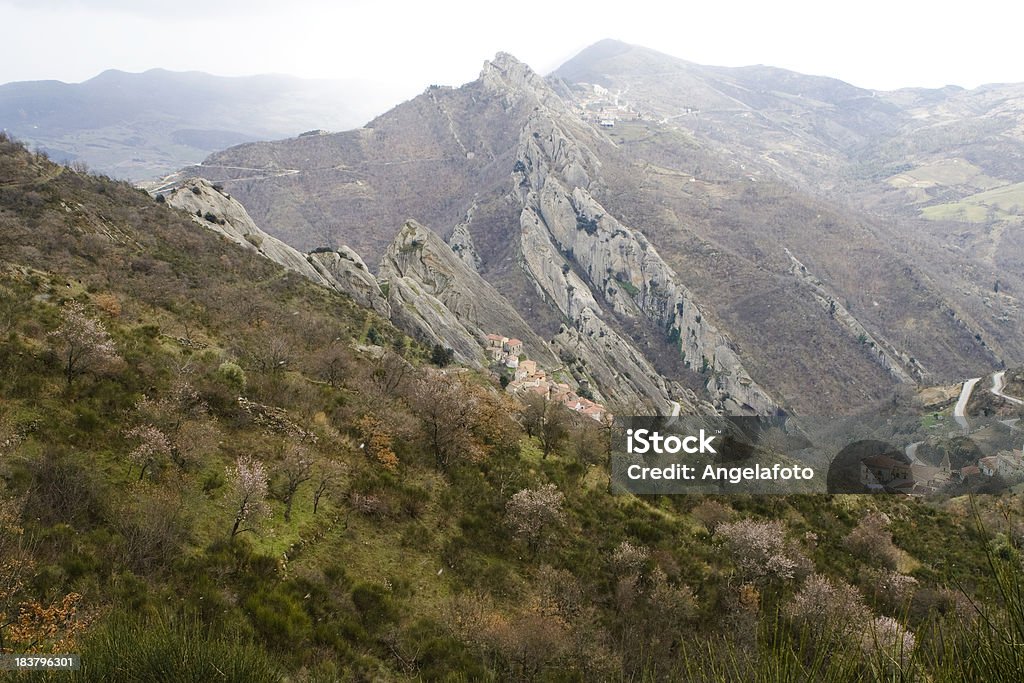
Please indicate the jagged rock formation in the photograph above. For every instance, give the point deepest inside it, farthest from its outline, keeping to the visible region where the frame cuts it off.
(431, 289)
(461, 242)
(341, 269)
(216, 210)
(349, 273)
(564, 226)
(885, 354)
(657, 232)
(626, 378)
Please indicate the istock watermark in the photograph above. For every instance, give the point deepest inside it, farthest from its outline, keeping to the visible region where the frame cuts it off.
(879, 453)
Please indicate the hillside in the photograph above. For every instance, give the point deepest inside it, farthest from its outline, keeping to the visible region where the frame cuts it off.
(144, 125)
(211, 467)
(933, 171)
(499, 164)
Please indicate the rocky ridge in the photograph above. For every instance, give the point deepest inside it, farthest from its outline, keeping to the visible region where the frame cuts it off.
(428, 289)
(433, 290)
(578, 254)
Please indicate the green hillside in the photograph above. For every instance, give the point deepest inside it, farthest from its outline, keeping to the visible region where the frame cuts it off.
(211, 469)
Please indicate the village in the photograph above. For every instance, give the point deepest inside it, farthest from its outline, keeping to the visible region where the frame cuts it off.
(885, 473)
(528, 378)
(597, 104)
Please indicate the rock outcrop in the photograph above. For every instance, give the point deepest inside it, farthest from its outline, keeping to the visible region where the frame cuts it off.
(215, 210)
(580, 257)
(432, 290)
(461, 242)
(341, 269)
(900, 365)
(349, 274)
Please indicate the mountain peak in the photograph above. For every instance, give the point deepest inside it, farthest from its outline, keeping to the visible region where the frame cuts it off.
(507, 75)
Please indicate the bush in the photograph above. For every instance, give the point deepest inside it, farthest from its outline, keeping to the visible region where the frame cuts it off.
(760, 549)
(374, 605)
(232, 375)
(126, 649)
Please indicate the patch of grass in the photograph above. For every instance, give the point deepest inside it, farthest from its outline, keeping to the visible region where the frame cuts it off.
(165, 650)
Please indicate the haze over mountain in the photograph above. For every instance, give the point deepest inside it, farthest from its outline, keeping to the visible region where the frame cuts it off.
(144, 125)
(733, 228)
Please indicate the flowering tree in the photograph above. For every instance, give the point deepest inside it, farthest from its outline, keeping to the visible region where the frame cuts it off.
(630, 559)
(82, 342)
(871, 540)
(828, 610)
(532, 513)
(888, 642)
(152, 449)
(248, 494)
(759, 549)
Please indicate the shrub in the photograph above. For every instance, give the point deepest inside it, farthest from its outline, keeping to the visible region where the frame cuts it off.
(760, 549)
(232, 375)
(374, 605)
(872, 541)
(829, 611)
(125, 650)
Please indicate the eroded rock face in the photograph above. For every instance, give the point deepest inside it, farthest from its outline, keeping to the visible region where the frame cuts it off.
(461, 242)
(215, 210)
(433, 290)
(581, 256)
(342, 269)
(900, 365)
(350, 275)
(624, 376)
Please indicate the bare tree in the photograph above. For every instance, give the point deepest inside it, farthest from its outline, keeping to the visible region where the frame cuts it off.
(390, 372)
(296, 469)
(446, 409)
(328, 475)
(554, 428)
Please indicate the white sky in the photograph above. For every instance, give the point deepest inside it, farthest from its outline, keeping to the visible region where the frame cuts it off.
(873, 44)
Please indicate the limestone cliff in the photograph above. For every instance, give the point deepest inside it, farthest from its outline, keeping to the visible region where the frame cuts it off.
(903, 368)
(215, 210)
(461, 241)
(349, 273)
(580, 257)
(341, 269)
(434, 291)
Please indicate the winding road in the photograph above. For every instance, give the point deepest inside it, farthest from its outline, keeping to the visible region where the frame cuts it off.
(961, 403)
(998, 382)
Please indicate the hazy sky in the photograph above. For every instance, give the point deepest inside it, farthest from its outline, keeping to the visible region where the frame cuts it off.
(872, 44)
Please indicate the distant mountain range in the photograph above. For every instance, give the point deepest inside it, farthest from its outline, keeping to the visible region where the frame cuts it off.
(144, 125)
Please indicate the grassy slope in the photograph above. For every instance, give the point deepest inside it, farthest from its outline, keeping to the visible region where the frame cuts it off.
(423, 583)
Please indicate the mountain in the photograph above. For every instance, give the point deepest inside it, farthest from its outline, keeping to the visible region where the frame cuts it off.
(706, 223)
(145, 125)
(214, 465)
